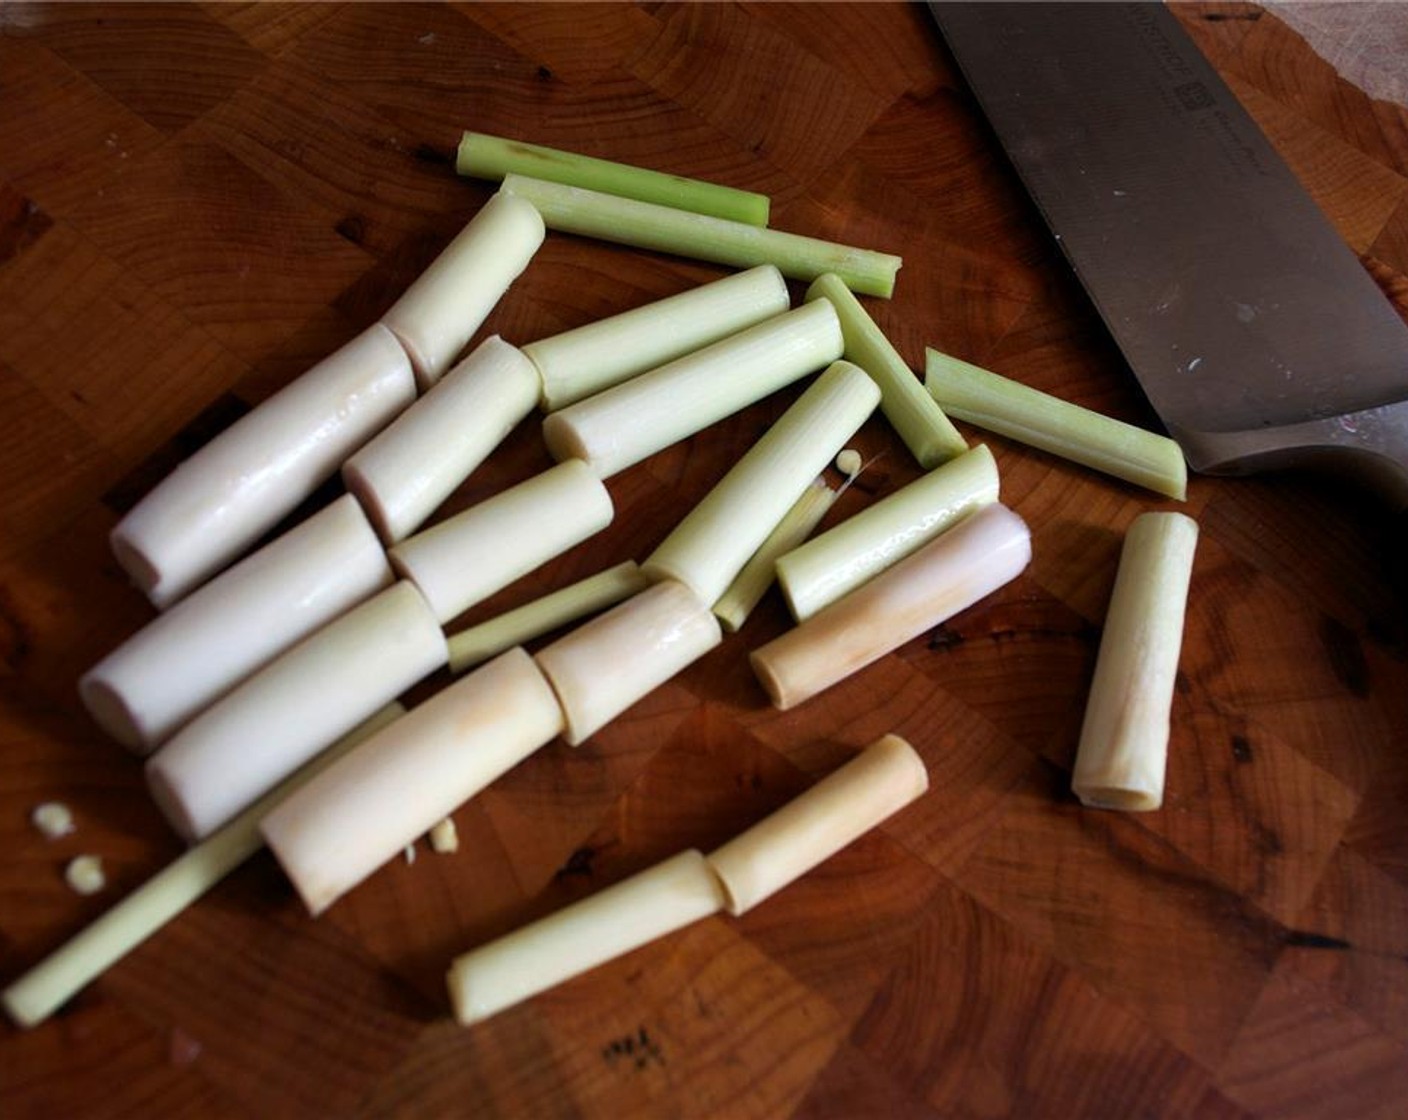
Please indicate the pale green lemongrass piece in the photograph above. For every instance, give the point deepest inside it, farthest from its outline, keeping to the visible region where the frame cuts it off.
(664, 229)
(521, 625)
(482, 156)
(1008, 407)
(49, 984)
(744, 593)
(846, 555)
(1123, 750)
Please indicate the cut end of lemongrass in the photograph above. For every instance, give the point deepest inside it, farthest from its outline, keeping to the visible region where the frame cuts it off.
(53, 819)
(849, 462)
(444, 837)
(84, 874)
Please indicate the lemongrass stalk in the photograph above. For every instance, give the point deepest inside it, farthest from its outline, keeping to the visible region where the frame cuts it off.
(403, 475)
(999, 404)
(184, 659)
(42, 990)
(477, 644)
(439, 313)
(577, 363)
(913, 413)
(604, 666)
(1123, 750)
(845, 556)
(622, 425)
(710, 545)
(482, 156)
(465, 559)
(600, 928)
(222, 499)
(645, 225)
(735, 605)
(287, 713)
(949, 574)
(814, 826)
(364, 811)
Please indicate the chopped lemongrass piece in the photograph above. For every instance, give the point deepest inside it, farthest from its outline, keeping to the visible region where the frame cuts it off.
(845, 556)
(471, 647)
(408, 853)
(645, 225)
(600, 928)
(1008, 407)
(482, 156)
(461, 561)
(814, 826)
(53, 819)
(45, 987)
(628, 422)
(444, 837)
(912, 412)
(261, 732)
(947, 575)
(849, 462)
(449, 301)
(85, 874)
(735, 605)
(1123, 749)
(710, 545)
(577, 363)
(379, 799)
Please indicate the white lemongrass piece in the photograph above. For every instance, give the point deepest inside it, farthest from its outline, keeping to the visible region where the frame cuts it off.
(733, 607)
(84, 874)
(290, 710)
(185, 659)
(999, 404)
(578, 938)
(444, 837)
(580, 362)
(604, 666)
(521, 625)
(407, 471)
(468, 557)
(846, 555)
(439, 313)
(1123, 749)
(814, 826)
(358, 814)
(53, 819)
(218, 502)
(849, 462)
(53, 981)
(947, 575)
(628, 422)
(710, 545)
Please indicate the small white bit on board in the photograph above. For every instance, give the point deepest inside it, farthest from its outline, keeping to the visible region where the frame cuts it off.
(53, 819)
(85, 874)
(849, 462)
(444, 837)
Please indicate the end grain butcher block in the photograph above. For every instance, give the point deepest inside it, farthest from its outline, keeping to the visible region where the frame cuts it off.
(200, 201)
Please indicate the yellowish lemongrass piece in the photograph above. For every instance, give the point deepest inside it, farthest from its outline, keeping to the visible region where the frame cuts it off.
(999, 404)
(85, 875)
(444, 837)
(849, 462)
(53, 819)
(598, 929)
(814, 826)
(1123, 750)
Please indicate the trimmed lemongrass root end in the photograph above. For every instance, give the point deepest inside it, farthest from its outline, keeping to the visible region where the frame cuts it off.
(222, 499)
(521, 625)
(463, 560)
(577, 363)
(846, 555)
(364, 811)
(184, 659)
(712, 543)
(1123, 749)
(482, 156)
(912, 412)
(947, 575)
(598, 929)
(811, 828)
(439, 313)
(999, 404)
(53, 981)
(403, 475)
(622, 425)
(290, 710)
(604, 666)
(644, 225)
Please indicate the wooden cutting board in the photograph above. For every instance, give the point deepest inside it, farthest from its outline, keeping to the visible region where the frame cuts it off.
(197, 202)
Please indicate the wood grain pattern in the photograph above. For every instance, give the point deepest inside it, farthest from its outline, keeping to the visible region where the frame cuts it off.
(198, 201)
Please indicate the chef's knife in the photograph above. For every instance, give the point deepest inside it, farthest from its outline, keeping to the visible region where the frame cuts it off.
(1252, 327)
